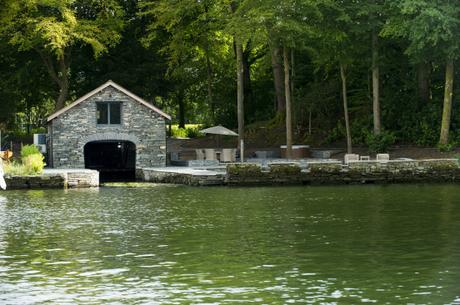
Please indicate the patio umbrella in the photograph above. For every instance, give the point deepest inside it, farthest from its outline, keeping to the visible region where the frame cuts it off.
(219, 131)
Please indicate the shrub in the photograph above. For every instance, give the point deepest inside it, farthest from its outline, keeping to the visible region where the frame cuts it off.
(28, 150)
(381, 142)
(285, 169)
(31, 165)
(457, 156)
(446, 147)
(245, 170)
(178, 133)
(34, 164)
(190, 131)
(193, 132)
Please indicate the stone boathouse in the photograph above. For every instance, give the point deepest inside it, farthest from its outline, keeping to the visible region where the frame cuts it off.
(109, 129)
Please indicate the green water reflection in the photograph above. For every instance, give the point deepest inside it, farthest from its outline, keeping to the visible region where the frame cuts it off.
(181, 245)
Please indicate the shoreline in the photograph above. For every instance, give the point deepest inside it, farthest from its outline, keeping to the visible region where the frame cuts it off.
(55, 179)
(310, 173)
(257, 174)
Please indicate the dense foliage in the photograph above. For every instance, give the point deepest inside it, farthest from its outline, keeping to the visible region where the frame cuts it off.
(31, 163)
(374, 72)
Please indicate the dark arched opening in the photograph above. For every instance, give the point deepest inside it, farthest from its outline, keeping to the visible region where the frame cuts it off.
(115, 160)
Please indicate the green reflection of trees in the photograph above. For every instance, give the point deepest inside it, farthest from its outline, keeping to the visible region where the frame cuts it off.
(213, 239)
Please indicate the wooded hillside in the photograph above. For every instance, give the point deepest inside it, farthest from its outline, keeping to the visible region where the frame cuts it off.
(365, 71)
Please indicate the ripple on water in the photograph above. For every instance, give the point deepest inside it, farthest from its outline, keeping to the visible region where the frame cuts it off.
(104, 272)
(384, 245)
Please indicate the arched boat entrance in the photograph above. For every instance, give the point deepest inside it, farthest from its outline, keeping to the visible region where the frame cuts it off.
(115, 160)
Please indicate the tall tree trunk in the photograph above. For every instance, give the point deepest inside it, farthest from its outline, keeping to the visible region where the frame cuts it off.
(63, 93)
(376, 84)
(209, 81)
(240, 89)
(60, 77)
(278, 80)
(247, 76)
(447, 108)
(424, 84)
(292, 74)
(345, 107)
(287, 92)
(208, 64)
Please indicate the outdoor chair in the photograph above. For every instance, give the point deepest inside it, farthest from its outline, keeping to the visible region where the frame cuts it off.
(383, 157)
(210, 154)
(199, 154)
(351, 157)
(228, 155)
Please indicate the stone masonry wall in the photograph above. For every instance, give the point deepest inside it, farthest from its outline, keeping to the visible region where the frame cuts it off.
(74, 128)
(395, 171)
(64, 179)
(332, 172)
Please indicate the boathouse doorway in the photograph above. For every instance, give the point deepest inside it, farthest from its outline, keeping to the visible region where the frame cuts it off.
(115, 160)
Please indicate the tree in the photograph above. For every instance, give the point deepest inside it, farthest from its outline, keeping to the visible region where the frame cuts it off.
(24, 87)
(191, 26)
(287, 94)
(55, 29)
(376, 82)
(371, 15)
(238, 38)
(343, 76)
(278, 79)
(284, 24)
(431, 29)
(240, 90)
(335, 47)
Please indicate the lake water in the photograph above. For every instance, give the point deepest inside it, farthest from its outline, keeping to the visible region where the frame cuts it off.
(184, 245)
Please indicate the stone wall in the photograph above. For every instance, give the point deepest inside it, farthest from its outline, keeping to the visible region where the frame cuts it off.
(76, 179)
(157, 176)
(35, 182)
(70, 131)
(360, 172)
(61, 179)
(247, 174)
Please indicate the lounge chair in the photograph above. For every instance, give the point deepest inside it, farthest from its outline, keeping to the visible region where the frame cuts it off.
(228, 155)
(383, 157)
(351, 157)
(210, 154)
(199, 154)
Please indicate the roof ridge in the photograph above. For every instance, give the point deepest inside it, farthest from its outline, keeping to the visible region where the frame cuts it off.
(102, 87)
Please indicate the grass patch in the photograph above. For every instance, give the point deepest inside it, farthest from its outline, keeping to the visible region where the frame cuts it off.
(20, 169)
